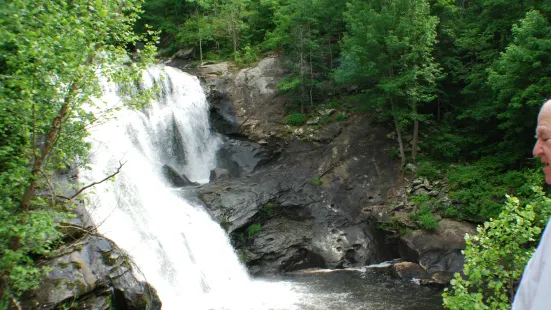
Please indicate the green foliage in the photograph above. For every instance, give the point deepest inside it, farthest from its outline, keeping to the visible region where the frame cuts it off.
(341, 117)
(267, 210)
(393, 224)
(421, 200)
(521, 77)
(428, 169)
(495, 258)
(227, 29)
(247, 56)
(253, 229)
(296, 119)
(307, 31)
(479, 187)
(496, 78)
(425, 219)
(387, 51)
(316, 182)
(52, 56)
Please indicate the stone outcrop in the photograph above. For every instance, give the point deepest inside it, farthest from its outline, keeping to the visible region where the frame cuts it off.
(241, 156)
(245, 101)
(316, 191)
(92, 274)
(218, 174)
(440, 252)
(174, 178)
(88, 271)
(410, 271)
(307, 200)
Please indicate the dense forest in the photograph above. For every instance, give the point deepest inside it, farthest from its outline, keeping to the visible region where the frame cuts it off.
(460, 82)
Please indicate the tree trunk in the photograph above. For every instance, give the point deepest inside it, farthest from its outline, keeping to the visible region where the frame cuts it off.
(415, 132)
(301, 64)
(398, 133)
(330, 54)
(48, 145)
(235, 36)
(311, 69)
(201, 50)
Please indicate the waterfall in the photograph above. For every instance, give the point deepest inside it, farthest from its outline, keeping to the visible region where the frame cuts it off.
(178, 248)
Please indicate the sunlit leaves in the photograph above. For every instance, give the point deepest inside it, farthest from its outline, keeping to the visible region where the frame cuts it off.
(53, 55)
(521, 77)
(495, 258)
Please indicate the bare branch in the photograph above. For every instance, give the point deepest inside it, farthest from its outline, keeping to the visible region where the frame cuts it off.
(15, 302)
(98, 182)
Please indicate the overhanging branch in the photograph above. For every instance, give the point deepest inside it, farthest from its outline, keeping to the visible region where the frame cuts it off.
(94, 183)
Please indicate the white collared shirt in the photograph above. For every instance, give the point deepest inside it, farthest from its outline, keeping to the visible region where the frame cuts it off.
(534, 291)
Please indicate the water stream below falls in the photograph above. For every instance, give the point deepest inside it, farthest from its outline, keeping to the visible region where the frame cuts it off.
(177, 247)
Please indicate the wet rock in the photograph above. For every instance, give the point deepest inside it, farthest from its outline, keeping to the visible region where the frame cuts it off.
(218, 174)
(174, 178)
(91, 272)
(218, 69)
(409, 271)
(240, 156)
(302, 259)
(306, 223)
(328, 133)
(439, 251)
(184, 53)
(246, 101)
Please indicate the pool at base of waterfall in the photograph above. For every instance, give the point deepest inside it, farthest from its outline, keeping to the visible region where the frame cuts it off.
(368, 288)
(349, 289)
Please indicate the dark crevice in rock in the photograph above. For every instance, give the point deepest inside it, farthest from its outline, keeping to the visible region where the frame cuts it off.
(303, 259)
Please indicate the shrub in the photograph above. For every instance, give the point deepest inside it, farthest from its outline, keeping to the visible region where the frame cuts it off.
(425, 219)
(296, 119)
(479, 187)
(316, 182)
(267, 210)
(428, 170)
(246, 56)
(340, 117)
(421, 200)
(253, 229)
(496, 257)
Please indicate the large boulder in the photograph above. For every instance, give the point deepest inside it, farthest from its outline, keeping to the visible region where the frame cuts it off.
(94, 274)
(245, 101)
(174, 178)
(218, 174)
(438, 252)
(410, 271)
(240, 156)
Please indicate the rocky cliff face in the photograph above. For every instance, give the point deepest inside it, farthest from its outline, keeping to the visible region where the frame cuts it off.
(92, 273)
(306, 204)
(309, 196)
(299, 202)
(88, 271)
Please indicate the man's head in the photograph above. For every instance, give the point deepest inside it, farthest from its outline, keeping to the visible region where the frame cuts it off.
(542, 149)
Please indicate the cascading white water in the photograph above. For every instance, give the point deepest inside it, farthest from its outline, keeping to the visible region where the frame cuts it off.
(179, 249)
